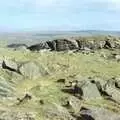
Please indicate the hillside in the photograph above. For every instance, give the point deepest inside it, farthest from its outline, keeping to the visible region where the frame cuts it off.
(60, 85)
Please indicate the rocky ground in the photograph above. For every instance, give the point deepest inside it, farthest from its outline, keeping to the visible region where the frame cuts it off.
(63, 79)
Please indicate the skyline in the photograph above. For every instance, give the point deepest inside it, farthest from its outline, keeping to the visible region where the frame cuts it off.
(51, 15)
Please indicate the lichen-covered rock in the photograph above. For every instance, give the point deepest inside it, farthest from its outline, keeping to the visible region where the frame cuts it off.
(83, 90)
(63, 44)
(10, 65)
(74, 103)
(95, 113)
(32, 70)
(38, 47)
(90, 91)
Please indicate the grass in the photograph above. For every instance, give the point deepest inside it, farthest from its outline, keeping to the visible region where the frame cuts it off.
(59, 65)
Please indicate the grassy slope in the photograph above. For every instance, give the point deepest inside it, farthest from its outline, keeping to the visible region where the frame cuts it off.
(60, 65)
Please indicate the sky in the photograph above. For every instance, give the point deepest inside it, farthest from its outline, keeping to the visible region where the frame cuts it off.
(35, 15)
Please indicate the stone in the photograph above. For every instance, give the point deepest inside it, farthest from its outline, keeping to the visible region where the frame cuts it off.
(114, 93)
(38, 47)
(32, 70)
(10, 65)
(57, 112)
(74, 103)
(63, 44)
(90, 91)
(117, 83)
(117, 57)
(95, 113)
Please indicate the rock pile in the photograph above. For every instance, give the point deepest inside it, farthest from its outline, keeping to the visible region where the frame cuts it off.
(77, 44)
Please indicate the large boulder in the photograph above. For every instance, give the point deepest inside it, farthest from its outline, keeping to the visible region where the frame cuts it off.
(10, 65)
(52, 45)
(63, 44)
(73, 104)
(90, 91)
(109, 89)
(113, 91)
(90, 44)
(32, 70)
(83, 90)
(95, 113)
(38, 47)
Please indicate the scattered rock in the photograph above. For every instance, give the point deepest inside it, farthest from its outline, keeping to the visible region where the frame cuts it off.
(57, 112)
(65, 44)
(117, 57)
(25, 98)
(94, 113)
(114, 93)
(108, 44)
(10, 65)
(52, 45)
(38, 47)
(41, 102)
(90, 91)
(32, 70)
(74, 104)
(117, 83)
(83, 90)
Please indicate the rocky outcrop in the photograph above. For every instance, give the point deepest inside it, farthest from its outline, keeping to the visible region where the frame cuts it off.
(32, 70)
(10, 65)
(62, 44)
(38, 47)
(17, 46)
(81, 43)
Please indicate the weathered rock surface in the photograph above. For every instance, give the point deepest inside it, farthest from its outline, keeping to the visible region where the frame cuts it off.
(38, 47)
(84, 89)
(32, 70)
(10, 65)
(81, 43)
(62, 44)
(74, 104)
(90, 91)
(94, 113)
(57, 112)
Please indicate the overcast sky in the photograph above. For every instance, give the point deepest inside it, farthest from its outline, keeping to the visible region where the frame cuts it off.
(59, 15)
